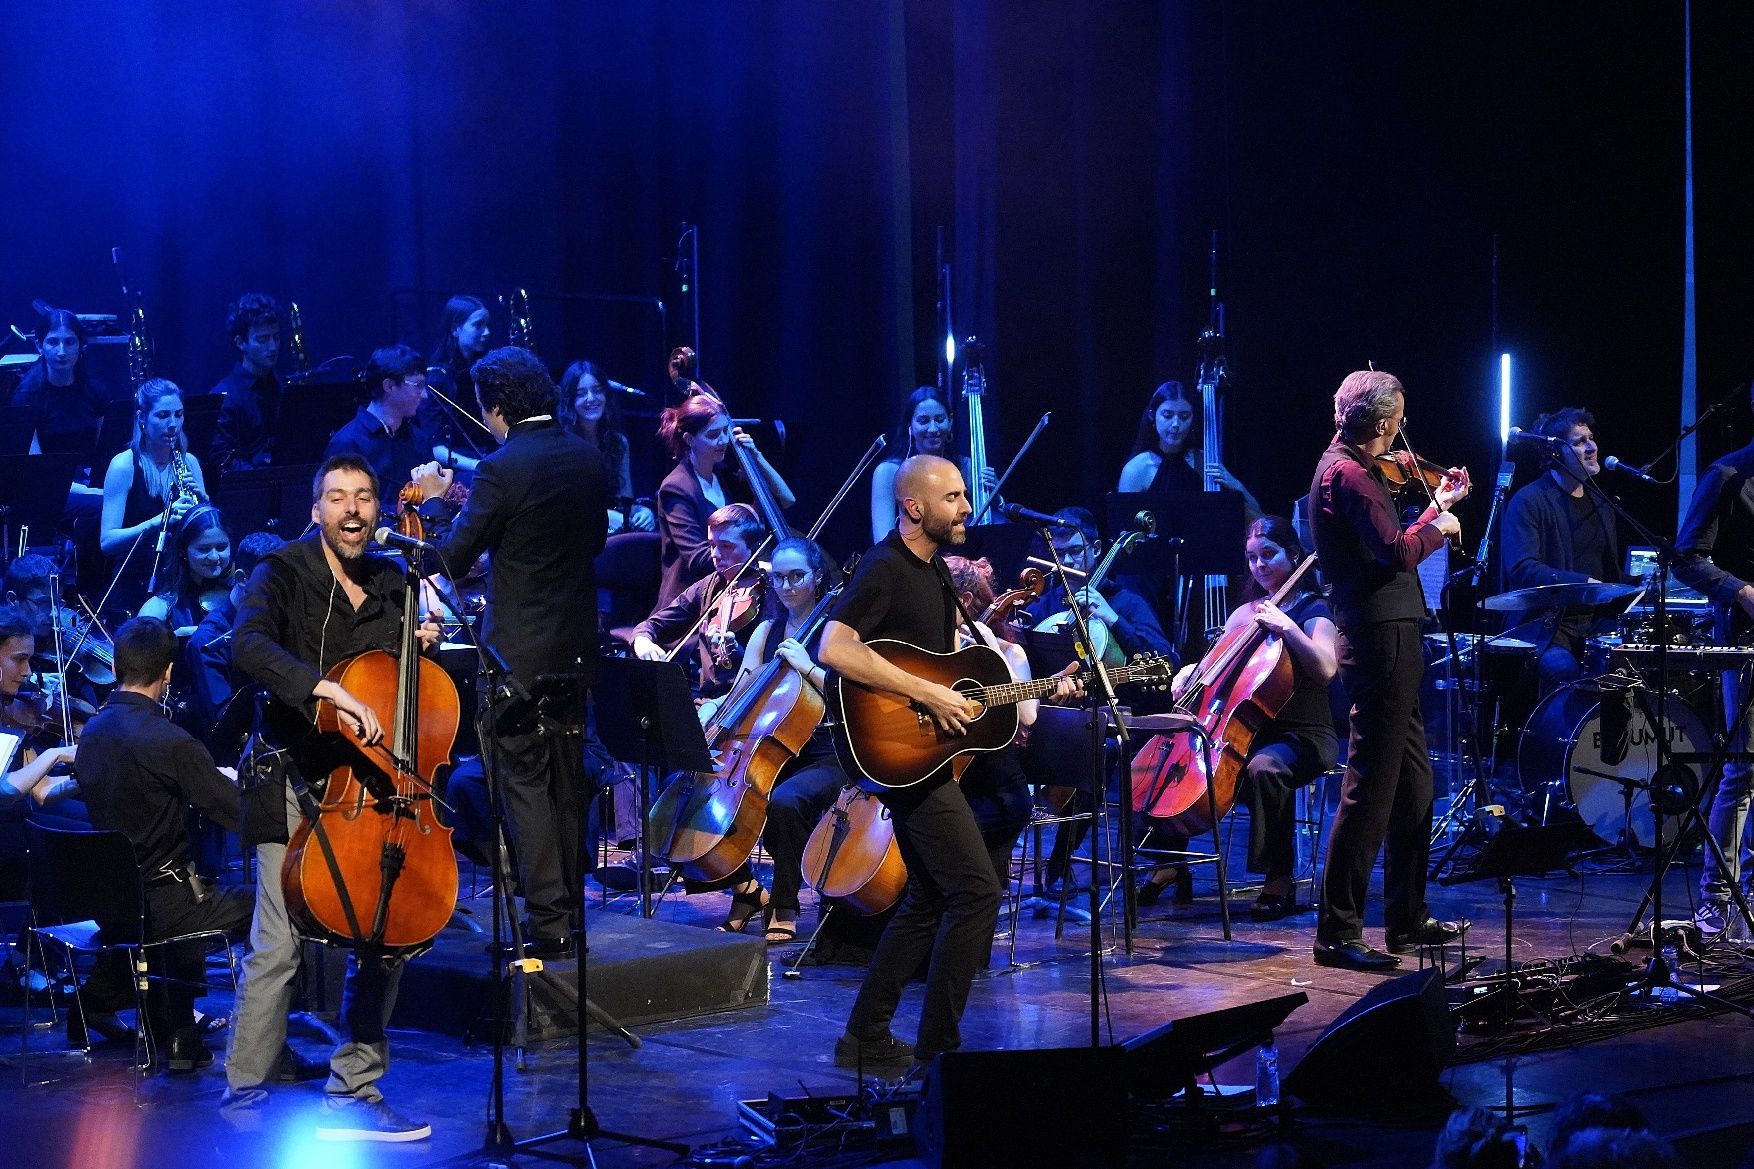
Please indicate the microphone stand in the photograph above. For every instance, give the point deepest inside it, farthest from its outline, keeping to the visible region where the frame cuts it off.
(1688, 430)
(1103, 691)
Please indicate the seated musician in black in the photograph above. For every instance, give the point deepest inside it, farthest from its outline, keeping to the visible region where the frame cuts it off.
(807, 786)
(219, 699)
(733, 533)
(1292, 750)
(249, 415)
(317, 601)
(137, 771)
(1557, 531)
(387, 432)
(65, 404)
(902, 591)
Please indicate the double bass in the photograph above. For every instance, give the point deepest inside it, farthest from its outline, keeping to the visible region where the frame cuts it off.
(1237, 689)
(374, 867)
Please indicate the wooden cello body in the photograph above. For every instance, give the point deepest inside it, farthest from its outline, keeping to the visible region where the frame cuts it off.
(707, 823)
(375, 868)
(853, 857)
(1237, 689)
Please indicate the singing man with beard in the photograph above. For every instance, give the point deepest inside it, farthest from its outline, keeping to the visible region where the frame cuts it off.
(310, 604)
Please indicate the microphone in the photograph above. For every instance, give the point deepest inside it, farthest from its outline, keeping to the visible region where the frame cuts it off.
(1613, 464)
(628, 390)
(1024, 515)
(1528, 438)
(391, 538)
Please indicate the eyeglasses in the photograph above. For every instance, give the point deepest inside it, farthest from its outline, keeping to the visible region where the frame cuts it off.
(790, 580)
(1078, 549)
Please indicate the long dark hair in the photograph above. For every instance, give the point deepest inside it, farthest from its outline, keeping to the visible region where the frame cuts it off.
(610, 439)
(1280, 531)
(902, 441)
(1170, 391)
(50, 319)
(457, 310)
(180, 584)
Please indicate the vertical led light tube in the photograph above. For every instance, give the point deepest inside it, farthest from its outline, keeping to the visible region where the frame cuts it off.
(1503, 402)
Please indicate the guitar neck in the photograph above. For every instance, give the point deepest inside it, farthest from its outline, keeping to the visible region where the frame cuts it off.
(1011, 693)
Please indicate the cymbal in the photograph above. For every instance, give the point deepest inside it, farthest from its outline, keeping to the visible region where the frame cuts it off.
(1486, 642)
(1555, 595)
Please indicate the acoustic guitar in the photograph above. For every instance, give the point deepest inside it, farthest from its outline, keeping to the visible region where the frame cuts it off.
(888, 742)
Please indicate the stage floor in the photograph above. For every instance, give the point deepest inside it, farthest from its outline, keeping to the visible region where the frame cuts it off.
(1690, 1074)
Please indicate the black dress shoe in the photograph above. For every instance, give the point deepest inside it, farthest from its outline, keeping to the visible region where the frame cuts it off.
(559, 948)
(1429, 932)
(186, 1052)
(103, 1024)
(1151, 890)
(1354, 955)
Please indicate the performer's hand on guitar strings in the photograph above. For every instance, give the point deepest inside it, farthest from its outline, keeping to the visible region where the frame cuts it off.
(1069, 686)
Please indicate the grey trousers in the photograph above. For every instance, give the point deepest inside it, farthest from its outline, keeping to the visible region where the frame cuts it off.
(258, 1030)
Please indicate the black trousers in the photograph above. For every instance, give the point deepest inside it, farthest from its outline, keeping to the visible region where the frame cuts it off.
(949, 910)
(1386, 794)
(799, 799)
(540, 775)
(171, 911)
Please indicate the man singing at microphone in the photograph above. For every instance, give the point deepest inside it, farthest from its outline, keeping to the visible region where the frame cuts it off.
(1557, 531)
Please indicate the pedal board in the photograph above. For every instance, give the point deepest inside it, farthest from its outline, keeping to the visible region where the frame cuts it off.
(1546, 987)
(789, 1119)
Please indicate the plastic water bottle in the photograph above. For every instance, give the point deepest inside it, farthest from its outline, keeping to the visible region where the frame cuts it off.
(1267, 1075)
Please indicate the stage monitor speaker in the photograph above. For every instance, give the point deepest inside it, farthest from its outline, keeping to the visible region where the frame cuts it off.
(1053, 1108)
(1171, 1058)
(1385, 1051)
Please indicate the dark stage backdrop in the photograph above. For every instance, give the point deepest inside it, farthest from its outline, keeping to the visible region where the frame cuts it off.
(1357, 160)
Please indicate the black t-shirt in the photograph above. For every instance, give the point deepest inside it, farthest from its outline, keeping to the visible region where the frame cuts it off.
(1309, 711)
(1589, 538)
(895, 594)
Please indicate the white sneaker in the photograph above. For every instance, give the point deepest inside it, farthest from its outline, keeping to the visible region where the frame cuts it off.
(346, 1118)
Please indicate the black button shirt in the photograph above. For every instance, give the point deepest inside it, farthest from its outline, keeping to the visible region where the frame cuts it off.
(137, 770)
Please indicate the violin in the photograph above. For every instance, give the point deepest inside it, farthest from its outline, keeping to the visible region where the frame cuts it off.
(1405, 469)
(730, 613)
(1031, 583)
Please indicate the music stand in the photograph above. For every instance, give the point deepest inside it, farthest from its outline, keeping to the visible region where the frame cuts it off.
(1198, 534)
(310, 414)
(16, 430)
(645, 717)
(33, 491)
(1514, 851)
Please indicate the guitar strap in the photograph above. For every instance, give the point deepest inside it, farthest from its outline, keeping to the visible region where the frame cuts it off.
(956, 599)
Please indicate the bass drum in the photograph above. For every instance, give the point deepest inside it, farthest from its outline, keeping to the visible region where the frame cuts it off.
(1564, 764)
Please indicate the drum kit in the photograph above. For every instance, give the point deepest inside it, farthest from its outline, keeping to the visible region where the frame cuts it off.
(1586, 751)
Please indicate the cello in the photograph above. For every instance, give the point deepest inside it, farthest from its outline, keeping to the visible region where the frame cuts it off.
(706, 823)
(374, 867)
(1238, 688)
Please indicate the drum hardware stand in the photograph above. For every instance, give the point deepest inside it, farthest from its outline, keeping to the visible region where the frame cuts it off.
(1478, 788)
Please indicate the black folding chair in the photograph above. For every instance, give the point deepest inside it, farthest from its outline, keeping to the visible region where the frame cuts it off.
(78, 879)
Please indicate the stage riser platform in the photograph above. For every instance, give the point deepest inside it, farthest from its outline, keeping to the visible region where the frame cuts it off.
(639, 971)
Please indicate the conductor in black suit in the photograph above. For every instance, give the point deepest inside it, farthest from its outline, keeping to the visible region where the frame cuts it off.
(538, 507)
